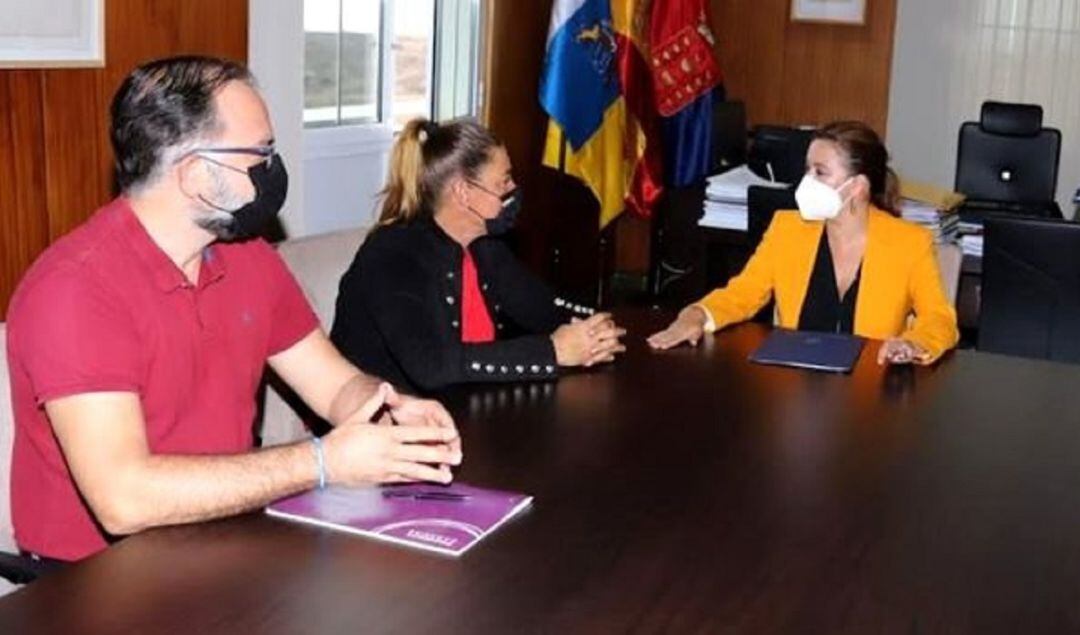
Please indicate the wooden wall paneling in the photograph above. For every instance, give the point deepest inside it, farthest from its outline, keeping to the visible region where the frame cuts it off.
(516, 39)
(205, 27)
(518, 35)
(55, 157)
(138, 31)
(750, 37)
(800, 73)
(143, 30)
(840, 72)
(77, 167)
(23, 207)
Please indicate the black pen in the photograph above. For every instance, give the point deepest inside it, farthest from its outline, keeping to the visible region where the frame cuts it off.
(426, 495)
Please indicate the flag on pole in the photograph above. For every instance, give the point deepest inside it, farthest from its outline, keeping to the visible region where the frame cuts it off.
(685, 79)
(643, 134)
(628, 86)
(581, 92)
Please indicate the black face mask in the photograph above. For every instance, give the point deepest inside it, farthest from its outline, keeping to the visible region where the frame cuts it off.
(271, 182)
(507, 217)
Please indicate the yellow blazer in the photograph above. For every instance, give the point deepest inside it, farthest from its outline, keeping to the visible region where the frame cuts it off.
(899, 278)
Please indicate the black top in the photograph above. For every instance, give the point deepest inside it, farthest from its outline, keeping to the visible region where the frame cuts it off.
(399, 311)
(823, 309)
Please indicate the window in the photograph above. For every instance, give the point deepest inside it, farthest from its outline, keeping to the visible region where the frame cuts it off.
(387, 61)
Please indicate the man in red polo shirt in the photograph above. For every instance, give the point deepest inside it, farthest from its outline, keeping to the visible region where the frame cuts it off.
(136, 343)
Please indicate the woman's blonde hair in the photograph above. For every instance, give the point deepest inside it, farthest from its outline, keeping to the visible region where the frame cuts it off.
(425, 157)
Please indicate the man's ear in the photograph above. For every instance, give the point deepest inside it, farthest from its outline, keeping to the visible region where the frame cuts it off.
(190, 176)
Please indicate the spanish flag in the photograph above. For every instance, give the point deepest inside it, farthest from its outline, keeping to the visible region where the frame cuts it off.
(592, 133)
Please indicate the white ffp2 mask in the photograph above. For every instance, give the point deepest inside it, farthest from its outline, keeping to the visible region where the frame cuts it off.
(817, 201)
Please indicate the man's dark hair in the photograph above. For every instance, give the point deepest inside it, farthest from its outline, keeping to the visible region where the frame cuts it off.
(163, 104)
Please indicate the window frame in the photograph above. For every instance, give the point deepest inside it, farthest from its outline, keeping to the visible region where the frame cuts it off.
(384, 99)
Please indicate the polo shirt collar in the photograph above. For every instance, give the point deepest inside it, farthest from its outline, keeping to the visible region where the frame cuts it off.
(167, 276)
(213, 266)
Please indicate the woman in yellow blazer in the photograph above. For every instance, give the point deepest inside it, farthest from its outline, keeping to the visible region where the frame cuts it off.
(842, 263)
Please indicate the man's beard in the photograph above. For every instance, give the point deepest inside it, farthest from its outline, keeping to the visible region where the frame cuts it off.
(218, 222)
(221, 224)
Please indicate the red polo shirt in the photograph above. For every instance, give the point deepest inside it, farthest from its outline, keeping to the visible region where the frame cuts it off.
(104, 309)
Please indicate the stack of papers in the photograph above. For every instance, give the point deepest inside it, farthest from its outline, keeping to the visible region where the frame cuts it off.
(725, 198)
(934, 196)
(972, 245)
(943, 224)
(932, 207)
(969, 228)
(731, 186)
(724, 216)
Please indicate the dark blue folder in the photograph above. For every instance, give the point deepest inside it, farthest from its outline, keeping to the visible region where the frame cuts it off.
(833, 352)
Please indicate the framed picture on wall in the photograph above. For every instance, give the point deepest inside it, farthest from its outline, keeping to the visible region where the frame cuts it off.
(829, 11)
(52, 34)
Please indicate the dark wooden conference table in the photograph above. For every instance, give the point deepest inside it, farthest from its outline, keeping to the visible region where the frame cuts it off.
(689, 491)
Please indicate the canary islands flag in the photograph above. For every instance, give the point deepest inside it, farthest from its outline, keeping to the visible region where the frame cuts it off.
(686, 81)
(581, 92)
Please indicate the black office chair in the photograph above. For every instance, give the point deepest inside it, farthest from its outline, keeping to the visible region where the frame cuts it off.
(677, 271)
(1007, 162)
(677, 256)
(782, 149)
(730, 139)
(1031, 288)
(762, 204)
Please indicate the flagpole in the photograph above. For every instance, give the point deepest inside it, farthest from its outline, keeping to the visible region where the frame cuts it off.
(562, 150)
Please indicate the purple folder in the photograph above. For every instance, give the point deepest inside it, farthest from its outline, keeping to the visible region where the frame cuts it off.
(445, 519)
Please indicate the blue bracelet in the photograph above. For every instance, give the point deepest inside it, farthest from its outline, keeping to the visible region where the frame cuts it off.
(317, 442)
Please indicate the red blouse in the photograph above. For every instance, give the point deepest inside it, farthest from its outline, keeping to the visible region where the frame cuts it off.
(476, 324)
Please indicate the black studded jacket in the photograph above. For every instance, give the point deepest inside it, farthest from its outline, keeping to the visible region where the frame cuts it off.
(398, 311)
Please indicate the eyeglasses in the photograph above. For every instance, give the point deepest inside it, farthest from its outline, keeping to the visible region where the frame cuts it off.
(267, 152)
(484, 188)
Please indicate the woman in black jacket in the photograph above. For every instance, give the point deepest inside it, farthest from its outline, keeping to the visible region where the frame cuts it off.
(434, 298)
